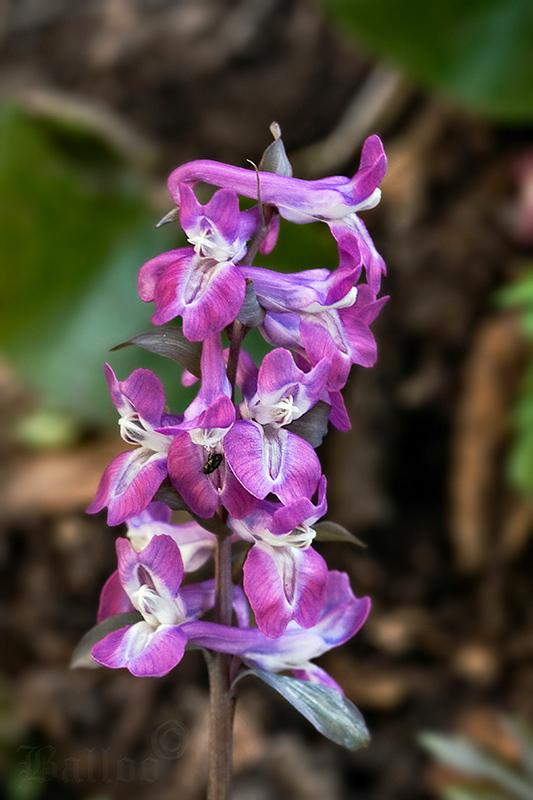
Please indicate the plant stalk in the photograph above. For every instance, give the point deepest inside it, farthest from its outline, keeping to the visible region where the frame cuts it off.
(222, 701)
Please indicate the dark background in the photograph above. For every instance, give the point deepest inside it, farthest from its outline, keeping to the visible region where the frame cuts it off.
(421, 478)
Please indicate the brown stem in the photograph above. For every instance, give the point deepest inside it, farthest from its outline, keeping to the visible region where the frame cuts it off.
(237, 334)
(222, 703)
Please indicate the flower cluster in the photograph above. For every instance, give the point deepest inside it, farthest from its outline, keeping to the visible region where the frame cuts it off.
(241, 459)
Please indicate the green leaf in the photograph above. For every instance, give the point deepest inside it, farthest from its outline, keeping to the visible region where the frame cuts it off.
(468, 793)
(462, 754)
(171, 343)
(327, 531)
(81, 657)
(332, 714)
(478, 52)
(522, 733)
(313, 425)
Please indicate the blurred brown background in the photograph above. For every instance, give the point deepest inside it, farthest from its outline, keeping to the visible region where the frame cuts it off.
(421, 476)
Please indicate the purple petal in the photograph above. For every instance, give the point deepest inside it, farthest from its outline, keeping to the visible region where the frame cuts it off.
(342, 614)
(297, 200)
(160, 561)
(243, 447)
(375, 266)
(198, 597)
(151, 271)
(284, 583)
(142, 650)
(186, 462)
(297, 465)
(371, 170)
(129, 484)
(288, 517)
(113, 599)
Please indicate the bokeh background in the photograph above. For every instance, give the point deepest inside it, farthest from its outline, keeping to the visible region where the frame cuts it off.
(99, 100)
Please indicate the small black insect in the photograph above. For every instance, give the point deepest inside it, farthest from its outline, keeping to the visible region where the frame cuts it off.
(213, 462)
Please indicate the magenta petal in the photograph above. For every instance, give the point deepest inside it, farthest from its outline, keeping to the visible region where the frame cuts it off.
(236, 499)
(371, 171)
(243, 446)
(264, 588)
(160, 558)
(288, 517)
(168, 290)
(129, 484)
(343, 614)
(212, 302)
(293, 465)
(186, 462)
(145, 392)
(113, 599)
(142, 650)
(151, 271)
(284, 583)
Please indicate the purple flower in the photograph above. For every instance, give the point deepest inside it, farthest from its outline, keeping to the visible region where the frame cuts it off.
(284, 578)
(196, 545)
(320, 314)
(132, 478)
(197, 464)
(262, 453)
(333, 200)
(202, 283)
(341, 616)
(149, 582)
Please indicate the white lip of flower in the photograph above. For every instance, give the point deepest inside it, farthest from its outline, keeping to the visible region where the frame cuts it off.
(281, 413)
(336, 210)
(155, 609)
(300, 537)
(136, 431)
(209, 243)
(345, 302)
(208, 437)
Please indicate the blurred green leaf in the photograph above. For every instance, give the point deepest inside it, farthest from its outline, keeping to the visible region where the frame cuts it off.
(462, 754)
(478, 52)
(75, 228)
(468, 793)
(522, 733)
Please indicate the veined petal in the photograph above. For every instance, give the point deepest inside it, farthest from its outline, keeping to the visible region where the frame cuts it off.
(113, 599)
(141, 649)
(160, 562)
(129, 484)
(141, 393)
(243, 447)
(342, 614)
(284, 583)
(211, 299)
(198, 598)
(375, 266)
(288, 517)
(293, 465)
(151, 271)
(186, 464)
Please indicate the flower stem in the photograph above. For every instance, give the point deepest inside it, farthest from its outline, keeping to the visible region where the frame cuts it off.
(222, 701)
